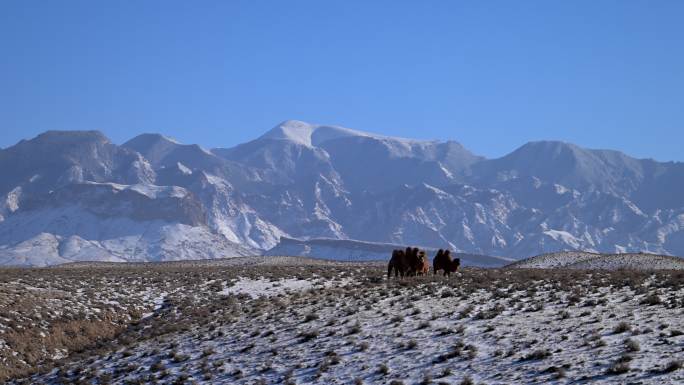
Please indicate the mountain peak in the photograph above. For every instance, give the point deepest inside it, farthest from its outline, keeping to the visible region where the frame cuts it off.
(312, 135)
(308, 134)
(549, 150)
(55, 137)
(547, 146)
(292, 130)
(162, 150)
(150, 139)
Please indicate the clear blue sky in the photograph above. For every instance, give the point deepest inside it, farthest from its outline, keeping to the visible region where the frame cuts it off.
(490, 74)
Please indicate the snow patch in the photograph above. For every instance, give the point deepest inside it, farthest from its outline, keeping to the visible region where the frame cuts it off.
(265, 287)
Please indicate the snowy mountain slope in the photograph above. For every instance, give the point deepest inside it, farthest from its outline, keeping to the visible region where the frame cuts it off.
(228, 213)
(646, 182)
(521, 220)
(567, 164)
(307, 181)
(110, 222)
(164, 153)
(61, 220)
(58, 158)
(351, 250)
(308, 134)
(160, 151)
(593, 261)
(387, 162)
(68, 234)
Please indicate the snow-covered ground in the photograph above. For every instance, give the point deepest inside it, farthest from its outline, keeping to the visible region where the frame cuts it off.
(588, 260)
(267, 287)
(345, 323)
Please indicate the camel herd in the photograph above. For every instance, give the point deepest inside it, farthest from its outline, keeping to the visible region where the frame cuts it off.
(412, 262)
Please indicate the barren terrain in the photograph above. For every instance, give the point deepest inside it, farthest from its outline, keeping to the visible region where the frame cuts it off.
(296, 320)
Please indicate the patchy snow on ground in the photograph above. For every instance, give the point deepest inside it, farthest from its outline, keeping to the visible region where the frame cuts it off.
(265, 287)
(346, 324)
(259, 287)
(157, 302)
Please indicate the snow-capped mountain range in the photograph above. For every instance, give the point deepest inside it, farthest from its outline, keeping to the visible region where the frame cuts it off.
(71, 196)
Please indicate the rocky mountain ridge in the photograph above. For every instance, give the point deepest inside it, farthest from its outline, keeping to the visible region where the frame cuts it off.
(63, 193)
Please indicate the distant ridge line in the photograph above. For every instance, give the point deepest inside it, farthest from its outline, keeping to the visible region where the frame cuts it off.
(600, 261)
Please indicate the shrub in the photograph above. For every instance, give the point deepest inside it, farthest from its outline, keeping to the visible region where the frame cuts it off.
(489, 313)
(334, 359)
(472, 351)
(179, 357)
(673, 366)
(618, 368)
(355, 329)
(156, 367)
(207, 352)
(651, 300)
(465, 312)
(247, 348)
(632, 345)
(560, 371)
(538, 354)
(622, 327)
(456, 351)
(309, 335)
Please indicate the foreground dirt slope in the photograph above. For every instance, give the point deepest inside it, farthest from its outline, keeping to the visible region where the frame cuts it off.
(344, 323)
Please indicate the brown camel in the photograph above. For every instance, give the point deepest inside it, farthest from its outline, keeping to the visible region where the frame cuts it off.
(444, 262)
(403, 263)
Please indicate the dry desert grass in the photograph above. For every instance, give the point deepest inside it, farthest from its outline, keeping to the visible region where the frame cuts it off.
(344, 323)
